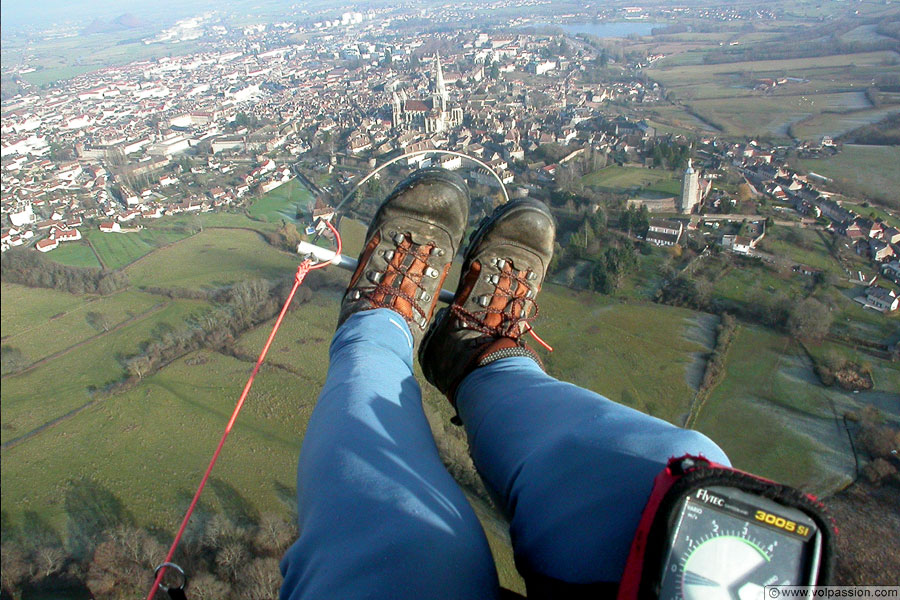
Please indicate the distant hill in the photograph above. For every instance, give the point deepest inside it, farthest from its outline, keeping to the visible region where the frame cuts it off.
(120, 23)
(129, 21)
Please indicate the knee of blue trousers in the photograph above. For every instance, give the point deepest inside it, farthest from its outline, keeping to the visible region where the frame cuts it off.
(585, 536)
(380, 329)
(408, 563)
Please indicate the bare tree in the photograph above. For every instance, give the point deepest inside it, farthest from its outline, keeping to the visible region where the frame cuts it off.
(274, 535)
(221, 531)
(810, 320)
(98, 321)
(260, 579)
(15, 569)
(138, 366)
(49, 560)
(231, 558)
(208, 587)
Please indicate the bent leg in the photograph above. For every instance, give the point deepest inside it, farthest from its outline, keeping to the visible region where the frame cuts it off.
(572, 469)
(379, 515)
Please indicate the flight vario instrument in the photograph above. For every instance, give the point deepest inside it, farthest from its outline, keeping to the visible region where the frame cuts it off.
(710, 532)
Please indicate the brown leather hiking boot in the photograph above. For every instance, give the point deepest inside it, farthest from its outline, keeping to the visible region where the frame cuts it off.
(409, 247)
(503, 271)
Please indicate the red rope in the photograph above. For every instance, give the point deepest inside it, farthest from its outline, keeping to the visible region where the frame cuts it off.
(305, 267)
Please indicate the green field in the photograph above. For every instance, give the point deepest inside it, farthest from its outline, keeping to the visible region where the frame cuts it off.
(66, 57)
(616, 178)
(873, 212)
(804, 246)
(836, 124)
(750, 282)
(759, 115)
(222, 220)
(75, 254)
(677, 120)
(54, 74)
(772, 417)
(694, 74)
(869, 169)
(851, 318)
(36, 397)
(42, 336)
(212, 258)
(724, 95)
(303, 339)
(147, 447)
(23, 307)
(636, 354)
(120, 249)
(282, 202)
(885, 375)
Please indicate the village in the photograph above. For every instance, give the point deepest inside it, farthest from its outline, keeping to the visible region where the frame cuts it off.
(726, 258)
(217, 130)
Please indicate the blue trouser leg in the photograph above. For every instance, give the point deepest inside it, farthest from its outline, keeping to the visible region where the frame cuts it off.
(572, 469)
(379, 515)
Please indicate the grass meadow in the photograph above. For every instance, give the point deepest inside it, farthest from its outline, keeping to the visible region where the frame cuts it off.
(636, 354)
(723, 94)
(864, 168)
(281, 203)
(873, 212)
(616, 178)
(697, 75)
(212, 258)
(219, 220)
(58, 73)
(47, 336)
(75, 254)
(147, 447)
(773, 418)
(23, 308)
(35, 397)
(804, 246)
(121, 249)
(835, 124)
(749, 281)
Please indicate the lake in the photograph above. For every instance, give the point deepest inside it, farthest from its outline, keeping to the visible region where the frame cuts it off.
(605, 30)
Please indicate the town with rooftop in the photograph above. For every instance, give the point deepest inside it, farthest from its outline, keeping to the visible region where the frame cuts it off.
(724, 180)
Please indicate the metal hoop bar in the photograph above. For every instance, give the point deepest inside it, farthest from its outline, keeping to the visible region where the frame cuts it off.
(420, 153)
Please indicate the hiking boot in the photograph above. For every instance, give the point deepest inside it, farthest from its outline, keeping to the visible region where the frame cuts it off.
(502, 274)
(409, 247)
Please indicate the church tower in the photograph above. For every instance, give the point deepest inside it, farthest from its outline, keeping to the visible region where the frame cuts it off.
(440, 89)
(396, 110)
(690, 190)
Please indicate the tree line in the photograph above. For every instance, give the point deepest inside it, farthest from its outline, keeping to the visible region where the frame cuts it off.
(885, 132)
(225, 557)
(806, 319)
(25, 267)
(238, 308)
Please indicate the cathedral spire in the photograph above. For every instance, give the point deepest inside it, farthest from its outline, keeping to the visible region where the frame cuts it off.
(440, 88)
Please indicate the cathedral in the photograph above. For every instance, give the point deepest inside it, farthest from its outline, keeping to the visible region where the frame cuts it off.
(433, 114)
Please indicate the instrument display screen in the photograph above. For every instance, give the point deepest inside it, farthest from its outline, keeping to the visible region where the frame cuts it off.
(730, 544)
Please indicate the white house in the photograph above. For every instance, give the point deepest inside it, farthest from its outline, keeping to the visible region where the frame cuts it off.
(882, 299)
